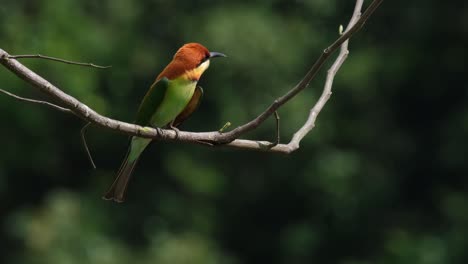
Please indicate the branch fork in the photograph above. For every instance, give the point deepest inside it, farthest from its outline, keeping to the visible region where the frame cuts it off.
(213, 138)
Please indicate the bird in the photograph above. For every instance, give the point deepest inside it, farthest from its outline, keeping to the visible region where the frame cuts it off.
(170, 100)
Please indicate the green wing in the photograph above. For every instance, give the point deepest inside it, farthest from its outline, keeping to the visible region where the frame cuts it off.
(151, 101)
(191, 106)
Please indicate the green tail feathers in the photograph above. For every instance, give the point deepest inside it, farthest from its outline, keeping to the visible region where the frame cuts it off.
(118, 189)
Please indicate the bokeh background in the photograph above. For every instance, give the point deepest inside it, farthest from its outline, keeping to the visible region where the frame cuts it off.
(383, 177)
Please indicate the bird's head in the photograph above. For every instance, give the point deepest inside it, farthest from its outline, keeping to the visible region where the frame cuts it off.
(190, 61)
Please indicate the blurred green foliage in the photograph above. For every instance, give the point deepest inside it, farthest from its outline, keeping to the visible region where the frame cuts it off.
(381, 179)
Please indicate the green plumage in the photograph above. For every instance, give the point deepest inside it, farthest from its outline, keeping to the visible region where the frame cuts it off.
(151, 101)
(169, 101)
(165, 100)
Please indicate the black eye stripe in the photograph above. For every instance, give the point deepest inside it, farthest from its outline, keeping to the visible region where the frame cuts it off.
(204, 59)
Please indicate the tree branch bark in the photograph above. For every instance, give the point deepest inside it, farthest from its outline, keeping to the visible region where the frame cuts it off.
(227, 139)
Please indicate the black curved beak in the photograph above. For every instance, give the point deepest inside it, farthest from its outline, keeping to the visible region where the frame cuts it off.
(215, 54)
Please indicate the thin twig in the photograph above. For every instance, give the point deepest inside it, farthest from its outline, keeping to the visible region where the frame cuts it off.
(277, 119)
(83, 139)
(39, 56)
(63, 109)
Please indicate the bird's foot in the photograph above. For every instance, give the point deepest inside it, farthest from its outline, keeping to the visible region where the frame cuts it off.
(159, 131)
(176, 130)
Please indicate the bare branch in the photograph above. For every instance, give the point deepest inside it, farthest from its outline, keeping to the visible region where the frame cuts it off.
(39, 56)
(228, 139)
(37, 102)
(314, 112)
(353, 28)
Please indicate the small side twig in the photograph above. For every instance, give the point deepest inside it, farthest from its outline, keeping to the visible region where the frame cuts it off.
(39, 56)
(83, 138)
(270, 145)
(277, 118)
(228, 124)
(63, 109)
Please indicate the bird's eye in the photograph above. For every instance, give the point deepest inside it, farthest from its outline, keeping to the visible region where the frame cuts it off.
(204, 59)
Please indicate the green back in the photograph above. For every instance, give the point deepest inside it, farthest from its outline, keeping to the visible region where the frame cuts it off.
(151, 101)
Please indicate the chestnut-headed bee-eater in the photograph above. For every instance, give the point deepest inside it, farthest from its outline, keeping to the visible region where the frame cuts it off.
(171, 99)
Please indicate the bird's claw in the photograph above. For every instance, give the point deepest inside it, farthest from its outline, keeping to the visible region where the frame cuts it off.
(176, 130)
(159, 131)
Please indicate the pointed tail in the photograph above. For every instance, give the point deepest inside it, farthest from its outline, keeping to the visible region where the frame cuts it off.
(118, 189)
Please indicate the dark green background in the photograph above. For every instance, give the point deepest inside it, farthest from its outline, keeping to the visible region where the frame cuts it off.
(381, 179)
